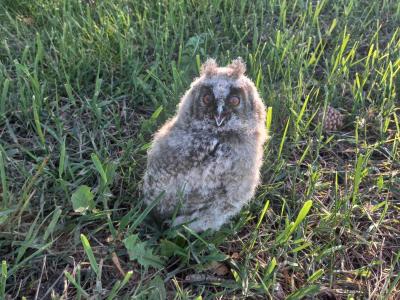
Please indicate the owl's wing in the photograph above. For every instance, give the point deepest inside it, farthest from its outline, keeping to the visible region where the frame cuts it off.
(171, 158)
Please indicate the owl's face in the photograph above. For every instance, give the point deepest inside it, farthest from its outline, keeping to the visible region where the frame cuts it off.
(223, 98)
(220, 103)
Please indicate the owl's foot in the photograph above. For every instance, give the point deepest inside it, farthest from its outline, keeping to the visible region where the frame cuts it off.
(201, 222)
(189, 221)
(180, 220)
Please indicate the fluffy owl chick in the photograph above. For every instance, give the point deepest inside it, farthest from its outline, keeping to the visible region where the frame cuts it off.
(205, 161)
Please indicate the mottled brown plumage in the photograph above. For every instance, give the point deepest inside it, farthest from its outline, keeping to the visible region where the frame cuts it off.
(206, 159)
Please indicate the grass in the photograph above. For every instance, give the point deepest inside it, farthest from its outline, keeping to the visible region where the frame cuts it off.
(84, 85)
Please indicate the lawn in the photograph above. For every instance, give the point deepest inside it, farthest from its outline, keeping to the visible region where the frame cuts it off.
(85, 83)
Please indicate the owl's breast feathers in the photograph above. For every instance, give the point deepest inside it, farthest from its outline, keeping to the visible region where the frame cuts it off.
(197, 163)
(201, 167)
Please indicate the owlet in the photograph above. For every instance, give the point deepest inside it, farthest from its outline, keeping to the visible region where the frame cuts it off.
(205, 161)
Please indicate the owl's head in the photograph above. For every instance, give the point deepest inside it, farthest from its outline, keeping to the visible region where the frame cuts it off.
(222, 98)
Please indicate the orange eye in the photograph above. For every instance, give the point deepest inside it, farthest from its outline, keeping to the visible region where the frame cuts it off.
(234, 101)
(207, 99)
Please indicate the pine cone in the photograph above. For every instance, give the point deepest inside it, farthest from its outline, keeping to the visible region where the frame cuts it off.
(333, 119)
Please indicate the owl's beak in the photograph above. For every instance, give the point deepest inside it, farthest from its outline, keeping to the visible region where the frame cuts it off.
(220, 116)
(219, 119)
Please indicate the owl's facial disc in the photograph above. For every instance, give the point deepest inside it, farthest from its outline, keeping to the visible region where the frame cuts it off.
(220, 103)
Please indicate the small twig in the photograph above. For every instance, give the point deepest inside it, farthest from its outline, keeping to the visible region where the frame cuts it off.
(53, 285)
(117, 264)
(197, 278)
(40, 279)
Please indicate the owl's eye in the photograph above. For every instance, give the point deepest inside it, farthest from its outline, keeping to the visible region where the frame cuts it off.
(207, 99)
(234, 100)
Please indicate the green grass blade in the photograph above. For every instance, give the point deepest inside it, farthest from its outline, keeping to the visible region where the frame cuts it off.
(3, 279)
(89, 253)
(264, 210)
(303, 292)
(302, 215)
(4, 93)
(76, 285)
(283, 138)
(315, 276)
(99, 168)
(145, 212)
(119, 285)
(358, 176)
(61, 164)
(3, 177)
(53, 223)
(28, 258)
(38, 125)
(268, 120)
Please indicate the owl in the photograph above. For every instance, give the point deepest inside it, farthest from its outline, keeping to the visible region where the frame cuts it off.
(204, 163)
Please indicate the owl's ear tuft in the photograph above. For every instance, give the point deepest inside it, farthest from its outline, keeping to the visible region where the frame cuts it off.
(209, 68)
(238, 67)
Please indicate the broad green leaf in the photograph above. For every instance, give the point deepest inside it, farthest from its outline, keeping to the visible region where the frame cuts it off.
(169, 249)
(139, 251)
(82, 199)
(158, 291)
